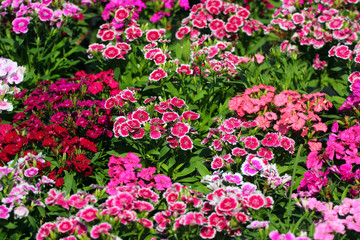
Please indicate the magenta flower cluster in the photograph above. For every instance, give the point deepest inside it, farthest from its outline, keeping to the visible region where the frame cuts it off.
(128, 171)
(38, 11)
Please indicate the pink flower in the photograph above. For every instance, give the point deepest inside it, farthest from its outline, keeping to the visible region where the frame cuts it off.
(141, 116)
(170, 116)
(4, 212)
(256, 201)
(88, 213)
(21, 212)
(228, 204)
(298, 18)
(65, 226)
(275, 235)
(45, 14)
(102, 228)
(207, 232)
(153, 35)
(121, 14)
(343, 52)
(158, 74)
(133, 33)
(180, 129)
(217, 163)
(31, 172)
(162, 182)
(186, 143)
(159, 58)
(250, 142)
(259, 58)
(111, 52)
(20, 24)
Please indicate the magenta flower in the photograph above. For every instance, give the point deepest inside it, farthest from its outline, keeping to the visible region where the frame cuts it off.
(4, 212)
(162, 182)
(20, 25)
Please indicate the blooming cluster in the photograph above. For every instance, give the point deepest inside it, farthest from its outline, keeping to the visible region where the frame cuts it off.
(20, 186)
(221, 19)
(275, 235)
(254, 155)
(22, 13)
(10, 73)
(74, 119)
(335, 218)
(91, 219)
(315, 23)
(170, 119)
(129, 172)
(352, 103)
(285, 111)
(341, 153)
(162, 9)
(224, 211)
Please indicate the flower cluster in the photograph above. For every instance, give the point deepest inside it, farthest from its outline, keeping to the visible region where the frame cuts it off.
(341, 153)
(91, 219)
(221, 19)
(20, 186)
(129, 172)
(254, 155)
(63, 119)
(10, 73)
(283, 112)
(162, 8)
(275, 235)
(315, 23)
(352, 103)
(170, 119)
(335, 218)
(223, 211)
(38, 12)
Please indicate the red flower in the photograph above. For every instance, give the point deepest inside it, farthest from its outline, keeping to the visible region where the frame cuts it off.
(95, 88)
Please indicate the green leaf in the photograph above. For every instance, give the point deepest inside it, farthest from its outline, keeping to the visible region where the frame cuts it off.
(69, 182)
(113, 153)
(171, 89)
